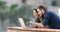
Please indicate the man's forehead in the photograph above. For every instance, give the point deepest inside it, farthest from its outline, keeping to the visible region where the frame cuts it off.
(38, 9)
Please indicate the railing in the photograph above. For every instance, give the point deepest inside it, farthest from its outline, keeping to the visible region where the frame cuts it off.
(21, 29)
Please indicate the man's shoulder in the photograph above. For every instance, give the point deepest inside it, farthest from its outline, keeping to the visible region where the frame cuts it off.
(49, 12)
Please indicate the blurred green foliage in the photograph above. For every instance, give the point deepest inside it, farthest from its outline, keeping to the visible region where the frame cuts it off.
(2, 3)
(13, 12)
(8, 12)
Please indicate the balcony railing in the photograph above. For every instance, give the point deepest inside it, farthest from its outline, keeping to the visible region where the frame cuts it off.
(21, 29)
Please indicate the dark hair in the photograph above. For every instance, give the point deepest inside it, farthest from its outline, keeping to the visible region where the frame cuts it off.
(41, 7)
(35, 10)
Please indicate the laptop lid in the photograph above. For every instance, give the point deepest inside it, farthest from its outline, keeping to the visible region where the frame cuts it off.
(21, 21)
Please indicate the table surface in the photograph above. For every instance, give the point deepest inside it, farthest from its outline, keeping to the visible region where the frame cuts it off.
(32, 29)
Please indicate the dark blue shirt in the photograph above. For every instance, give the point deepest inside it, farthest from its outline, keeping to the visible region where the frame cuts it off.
(51, 19)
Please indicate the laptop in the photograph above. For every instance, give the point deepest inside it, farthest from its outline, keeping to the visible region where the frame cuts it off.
(21, 21)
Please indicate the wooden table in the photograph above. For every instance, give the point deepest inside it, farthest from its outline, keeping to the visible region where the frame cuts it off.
(19, 29)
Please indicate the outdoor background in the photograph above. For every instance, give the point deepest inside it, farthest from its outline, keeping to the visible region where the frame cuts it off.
(11, 10)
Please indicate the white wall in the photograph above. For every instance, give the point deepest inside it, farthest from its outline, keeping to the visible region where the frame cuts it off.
(59, 12)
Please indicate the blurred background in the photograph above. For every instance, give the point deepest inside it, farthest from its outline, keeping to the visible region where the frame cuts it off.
(11, 10)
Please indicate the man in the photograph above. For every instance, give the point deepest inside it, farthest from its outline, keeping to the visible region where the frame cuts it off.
(49, 18)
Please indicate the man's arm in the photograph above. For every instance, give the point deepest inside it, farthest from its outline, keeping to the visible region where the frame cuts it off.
(40, 25)
(45, 19)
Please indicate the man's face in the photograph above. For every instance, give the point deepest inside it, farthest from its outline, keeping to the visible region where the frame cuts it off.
(40, 12)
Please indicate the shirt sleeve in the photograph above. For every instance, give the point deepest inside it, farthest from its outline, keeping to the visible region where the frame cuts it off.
(45, 19)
